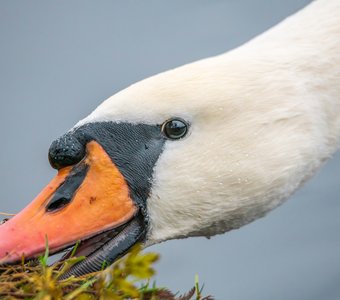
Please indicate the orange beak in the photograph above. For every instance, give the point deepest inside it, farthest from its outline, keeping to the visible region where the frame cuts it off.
(99, 203)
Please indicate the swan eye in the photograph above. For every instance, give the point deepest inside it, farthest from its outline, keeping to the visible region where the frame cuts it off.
(175, 129)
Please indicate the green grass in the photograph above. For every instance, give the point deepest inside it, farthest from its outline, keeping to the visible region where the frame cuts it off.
(128, 278)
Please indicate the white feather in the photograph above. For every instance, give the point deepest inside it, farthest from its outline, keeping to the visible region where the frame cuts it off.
(264, 117)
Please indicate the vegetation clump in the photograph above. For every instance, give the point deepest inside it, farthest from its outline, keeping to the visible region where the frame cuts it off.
(128, 278)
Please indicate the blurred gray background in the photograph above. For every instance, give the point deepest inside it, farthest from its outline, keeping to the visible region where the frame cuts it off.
(60, 59)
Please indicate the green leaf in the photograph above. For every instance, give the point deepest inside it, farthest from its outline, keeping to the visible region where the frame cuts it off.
(43, 259)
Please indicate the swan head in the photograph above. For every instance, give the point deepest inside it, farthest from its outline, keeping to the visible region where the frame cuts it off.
(249, 144)
(195, 151)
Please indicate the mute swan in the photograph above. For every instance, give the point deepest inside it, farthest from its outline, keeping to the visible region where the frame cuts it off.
(241, 155)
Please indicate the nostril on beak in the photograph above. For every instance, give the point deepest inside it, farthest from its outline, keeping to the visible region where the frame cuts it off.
(67, 190)
(66, 151)
(58, 204)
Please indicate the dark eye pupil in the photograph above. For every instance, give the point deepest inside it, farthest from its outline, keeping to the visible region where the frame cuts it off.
(175, 129)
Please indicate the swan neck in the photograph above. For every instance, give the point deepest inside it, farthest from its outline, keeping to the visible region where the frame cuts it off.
(307, 46)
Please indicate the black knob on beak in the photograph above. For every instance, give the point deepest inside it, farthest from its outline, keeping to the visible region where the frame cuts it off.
(66, 151)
